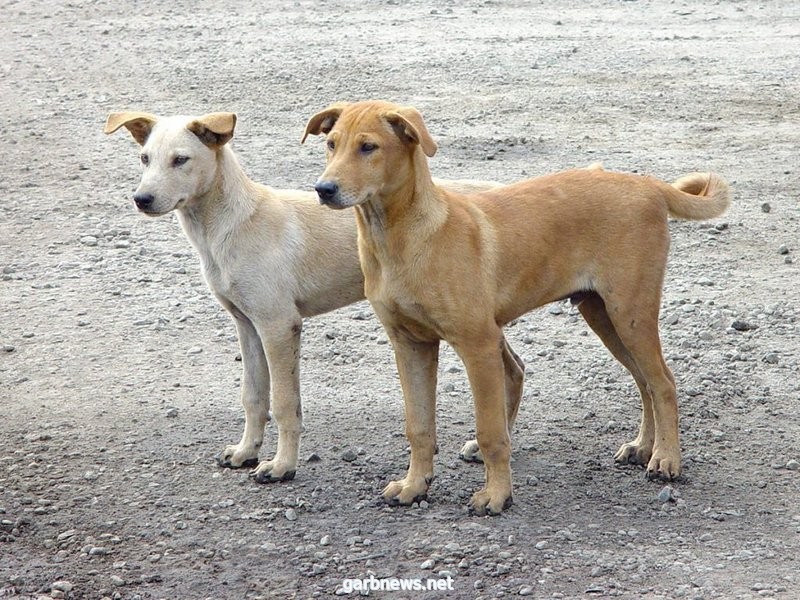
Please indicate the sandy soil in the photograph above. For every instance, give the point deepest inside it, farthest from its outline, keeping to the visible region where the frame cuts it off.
(118, 378)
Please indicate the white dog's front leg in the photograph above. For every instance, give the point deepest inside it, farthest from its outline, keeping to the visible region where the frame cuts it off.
(254, 396)
(282, 347)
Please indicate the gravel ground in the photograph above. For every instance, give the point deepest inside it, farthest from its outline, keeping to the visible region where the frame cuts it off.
(118, 378)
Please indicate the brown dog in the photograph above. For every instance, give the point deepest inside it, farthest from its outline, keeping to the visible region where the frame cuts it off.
(443, 265)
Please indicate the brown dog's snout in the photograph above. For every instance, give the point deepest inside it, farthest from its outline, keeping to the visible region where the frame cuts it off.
(327, 191)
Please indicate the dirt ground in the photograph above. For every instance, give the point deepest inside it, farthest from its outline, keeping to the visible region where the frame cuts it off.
(118, 378)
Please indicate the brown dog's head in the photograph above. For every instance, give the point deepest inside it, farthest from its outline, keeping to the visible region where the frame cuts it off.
(372, 148)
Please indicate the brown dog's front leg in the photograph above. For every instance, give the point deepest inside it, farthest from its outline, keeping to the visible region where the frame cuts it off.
(417, 363)
(485, 369)
(514, 379)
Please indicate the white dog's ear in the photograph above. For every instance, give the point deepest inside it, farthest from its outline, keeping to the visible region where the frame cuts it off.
(214, 129)
(323, 121)
(140, 124)
(409, 125)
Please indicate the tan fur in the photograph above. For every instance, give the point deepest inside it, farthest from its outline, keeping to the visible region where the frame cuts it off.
(443, 265)
(271, 257)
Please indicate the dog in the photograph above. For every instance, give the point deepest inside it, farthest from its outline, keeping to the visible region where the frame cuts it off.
(271, 257)
(443, 265)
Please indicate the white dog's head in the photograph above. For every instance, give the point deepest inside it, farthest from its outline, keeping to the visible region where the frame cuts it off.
(179, 156)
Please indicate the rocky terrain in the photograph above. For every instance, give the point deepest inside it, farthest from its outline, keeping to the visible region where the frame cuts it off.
(118, 372)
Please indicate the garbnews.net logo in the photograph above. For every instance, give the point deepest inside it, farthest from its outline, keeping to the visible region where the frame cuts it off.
(396, 584)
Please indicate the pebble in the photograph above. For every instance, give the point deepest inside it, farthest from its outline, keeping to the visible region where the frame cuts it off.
(428, 564)
(783, 249)
(666, 494)
(325, 541)
(194, 350)
(526, 590)
(766, 207)
(541, 545)
(62, 585)
(291, 514)
(172, 412)
(117, 580)
(793, 465)
(122, 244)
(8, 348)
(740, 325)
(313, 457)
(771, 358)
(555, 309)
(89, 240)
(349, 455)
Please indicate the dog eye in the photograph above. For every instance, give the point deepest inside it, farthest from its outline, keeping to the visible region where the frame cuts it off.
(179, 160)
(331, 145)
(367, 147)
(145, 159)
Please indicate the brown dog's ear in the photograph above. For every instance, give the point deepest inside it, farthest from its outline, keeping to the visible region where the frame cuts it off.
(214, 129)
(409, 125)
(138, 123)
(323, 122)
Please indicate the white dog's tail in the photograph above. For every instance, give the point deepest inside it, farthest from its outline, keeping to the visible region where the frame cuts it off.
(698, 196)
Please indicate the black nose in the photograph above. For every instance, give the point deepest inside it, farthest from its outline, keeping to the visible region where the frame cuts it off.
(144, 201)
(327, 191)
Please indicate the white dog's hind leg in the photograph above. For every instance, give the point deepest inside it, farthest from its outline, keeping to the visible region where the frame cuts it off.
(255, 397)
(282, 346)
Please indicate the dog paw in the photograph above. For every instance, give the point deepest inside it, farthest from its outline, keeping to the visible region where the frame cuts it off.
(271, 471)
(470, 452)
(664, 465)
(405, 492)
(634, 453)
(487, 502)
(236, 457)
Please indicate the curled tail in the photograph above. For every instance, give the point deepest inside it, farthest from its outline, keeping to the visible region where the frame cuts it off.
(698, 196)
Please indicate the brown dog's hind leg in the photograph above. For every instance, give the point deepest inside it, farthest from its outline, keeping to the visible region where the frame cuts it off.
(635, 320)
(417, 364)
(639, 450)
(514, 379)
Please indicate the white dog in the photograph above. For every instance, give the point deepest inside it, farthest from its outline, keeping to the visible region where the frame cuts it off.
(271, 257)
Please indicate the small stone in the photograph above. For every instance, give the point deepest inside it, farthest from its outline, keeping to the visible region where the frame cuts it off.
(325, 541)
(172, 412)
(740, 325)
(122, 244)
(194, 350)
(541, 545)
(313, 458)
(290, 514)
(117, 580)
(89, 240)
(66, 535)
(526, 590)
(788, 260)
(349, 455)
(423, 504)
(771, 358)
(8, 348)
(793, 465)
(666, 494)
(62, 585)
(428, 564)
(555, 309)
(766, 207)
(783, 249)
